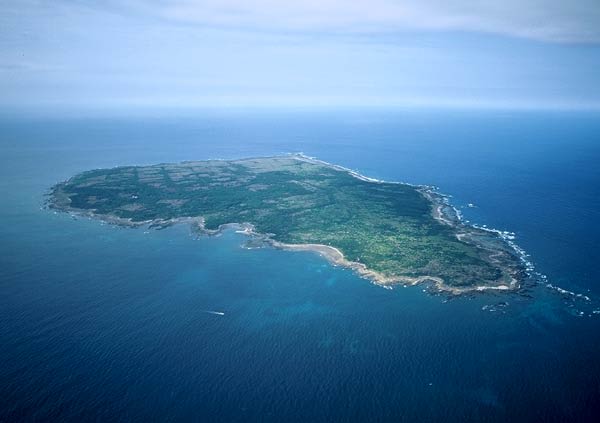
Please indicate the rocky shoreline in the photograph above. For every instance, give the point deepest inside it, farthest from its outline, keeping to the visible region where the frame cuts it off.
(499, 253)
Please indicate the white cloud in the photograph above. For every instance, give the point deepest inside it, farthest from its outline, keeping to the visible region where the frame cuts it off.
(198, 52)
(548, 20)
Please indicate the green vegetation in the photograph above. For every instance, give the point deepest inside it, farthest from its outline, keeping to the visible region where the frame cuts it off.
(389, 227)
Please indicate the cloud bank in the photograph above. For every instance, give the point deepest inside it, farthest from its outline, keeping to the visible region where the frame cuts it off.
(546, 20)
(188, 53)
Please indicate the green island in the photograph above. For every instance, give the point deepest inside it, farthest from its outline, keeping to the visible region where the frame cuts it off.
(388, 232)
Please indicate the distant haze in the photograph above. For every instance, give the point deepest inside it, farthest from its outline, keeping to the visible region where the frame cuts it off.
(193, 53)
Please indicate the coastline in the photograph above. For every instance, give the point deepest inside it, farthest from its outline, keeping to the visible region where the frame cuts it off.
(442, 211)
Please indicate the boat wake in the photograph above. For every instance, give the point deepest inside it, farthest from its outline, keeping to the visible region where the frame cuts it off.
(218, 313)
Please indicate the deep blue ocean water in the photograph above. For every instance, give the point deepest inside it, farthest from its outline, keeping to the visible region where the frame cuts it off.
(112, 324)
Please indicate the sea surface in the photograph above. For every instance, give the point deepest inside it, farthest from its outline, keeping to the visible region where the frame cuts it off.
(111, 324)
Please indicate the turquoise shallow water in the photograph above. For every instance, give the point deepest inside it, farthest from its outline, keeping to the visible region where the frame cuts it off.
(100, 322)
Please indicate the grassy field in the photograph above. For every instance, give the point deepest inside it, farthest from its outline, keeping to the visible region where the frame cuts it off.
(386, 226)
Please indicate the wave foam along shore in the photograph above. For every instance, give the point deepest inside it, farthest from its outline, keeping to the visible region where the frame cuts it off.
(443, 211)
(444, 199)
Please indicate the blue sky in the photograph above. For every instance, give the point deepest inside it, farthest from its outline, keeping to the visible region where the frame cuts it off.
(198, 53)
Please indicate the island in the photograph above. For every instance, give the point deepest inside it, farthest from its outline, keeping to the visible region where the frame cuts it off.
(388, 232)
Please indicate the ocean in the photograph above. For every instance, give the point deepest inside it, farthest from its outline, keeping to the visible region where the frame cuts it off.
(105, 323)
